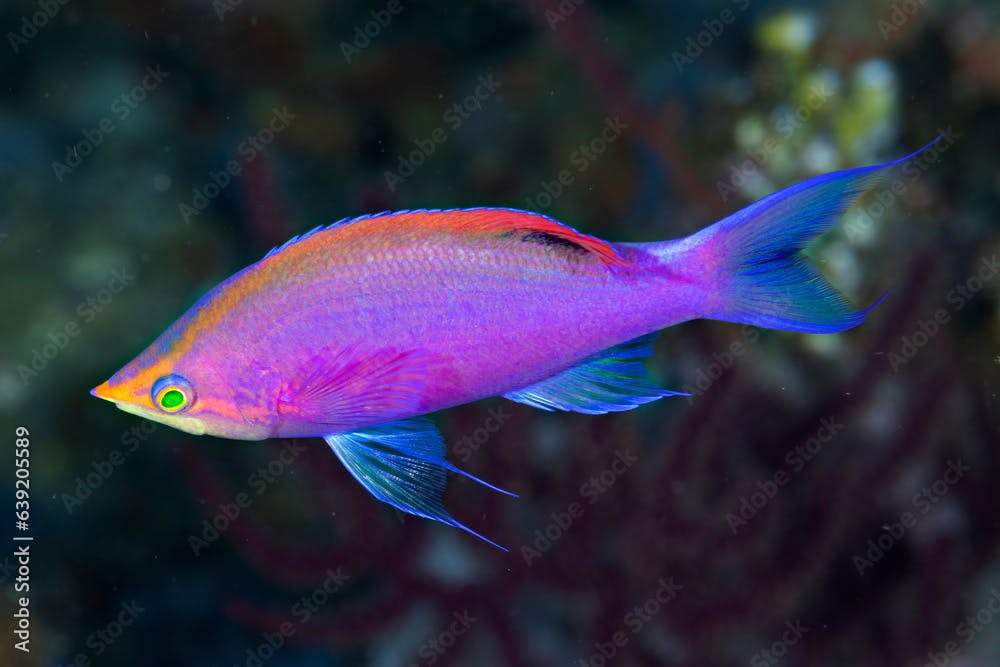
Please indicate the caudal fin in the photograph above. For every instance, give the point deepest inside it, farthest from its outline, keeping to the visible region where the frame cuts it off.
(761, 275)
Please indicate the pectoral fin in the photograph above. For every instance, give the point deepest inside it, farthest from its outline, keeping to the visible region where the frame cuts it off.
(349, 385)
(612, 381)
(402, 463)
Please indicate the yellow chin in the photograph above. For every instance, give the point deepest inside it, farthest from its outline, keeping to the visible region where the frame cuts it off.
(191, 425)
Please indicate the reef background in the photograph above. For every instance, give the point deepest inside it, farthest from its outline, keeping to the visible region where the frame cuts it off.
(819, 500)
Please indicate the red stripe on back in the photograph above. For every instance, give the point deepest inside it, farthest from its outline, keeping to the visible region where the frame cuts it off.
(500, 220)
(464, 221)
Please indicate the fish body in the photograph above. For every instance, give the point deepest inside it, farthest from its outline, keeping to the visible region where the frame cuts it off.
(417, 299)
(355, 331)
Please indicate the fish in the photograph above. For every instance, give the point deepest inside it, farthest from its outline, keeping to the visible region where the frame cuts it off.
(356, 331)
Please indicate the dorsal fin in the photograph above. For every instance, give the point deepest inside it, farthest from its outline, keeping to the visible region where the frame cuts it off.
(500, 220)
(295, 239)
(480, 220)
(322, 228)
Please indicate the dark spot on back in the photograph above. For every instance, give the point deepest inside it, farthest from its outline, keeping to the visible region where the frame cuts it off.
(547, 239)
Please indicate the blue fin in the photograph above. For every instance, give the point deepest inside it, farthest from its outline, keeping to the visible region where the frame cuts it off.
(612, 381)
(402, 463)
(301, 237)
(764, 279)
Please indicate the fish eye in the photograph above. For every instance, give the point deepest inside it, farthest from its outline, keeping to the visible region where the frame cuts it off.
(172, 393)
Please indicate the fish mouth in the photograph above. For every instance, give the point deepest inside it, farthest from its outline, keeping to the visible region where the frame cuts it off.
(191, 425)
(105, 391)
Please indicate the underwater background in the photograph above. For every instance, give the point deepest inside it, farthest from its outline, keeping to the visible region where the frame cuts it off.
(818, 500)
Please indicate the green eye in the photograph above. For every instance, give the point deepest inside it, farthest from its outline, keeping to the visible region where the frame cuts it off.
(172, 393)
(171, 399)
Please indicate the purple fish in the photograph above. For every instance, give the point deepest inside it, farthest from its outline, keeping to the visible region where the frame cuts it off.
(354, 332)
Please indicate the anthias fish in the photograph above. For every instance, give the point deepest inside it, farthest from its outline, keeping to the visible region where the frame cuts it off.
(356, 331)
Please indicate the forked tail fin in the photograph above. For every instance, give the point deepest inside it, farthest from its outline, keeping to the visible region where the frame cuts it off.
(760, 275)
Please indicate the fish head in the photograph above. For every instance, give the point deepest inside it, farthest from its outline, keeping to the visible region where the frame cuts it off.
(187, 391)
